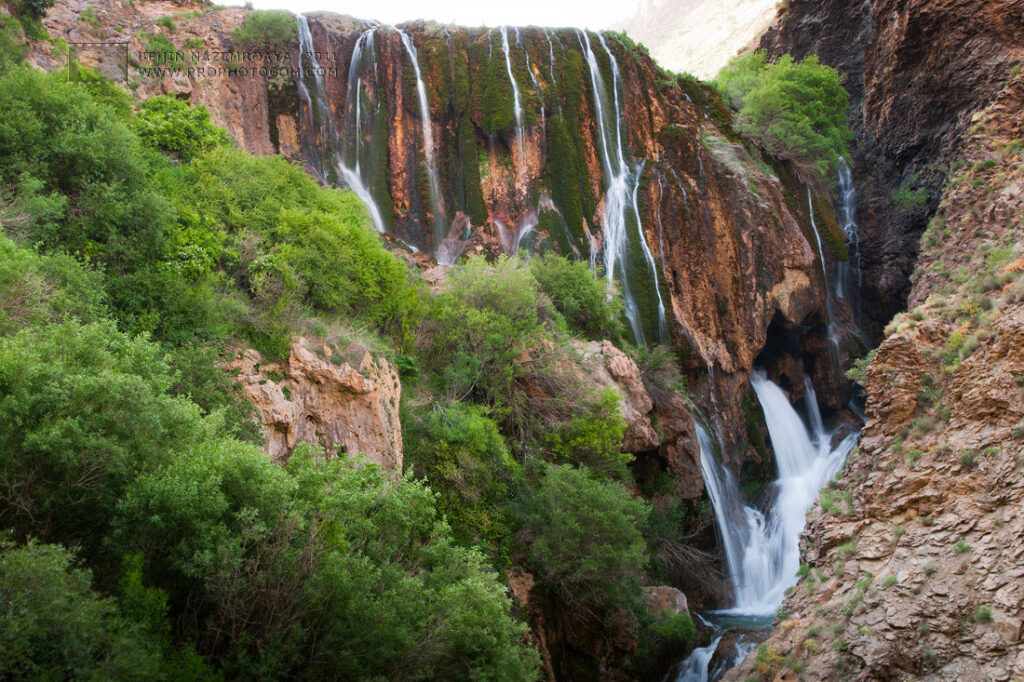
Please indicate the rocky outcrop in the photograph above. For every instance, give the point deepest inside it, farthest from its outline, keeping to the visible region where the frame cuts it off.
(917, 72)
(913, 564)
(343, 400)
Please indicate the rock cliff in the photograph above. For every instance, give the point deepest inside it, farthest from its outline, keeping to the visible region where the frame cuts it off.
(473, 141)
(342, 399)
(912, 558)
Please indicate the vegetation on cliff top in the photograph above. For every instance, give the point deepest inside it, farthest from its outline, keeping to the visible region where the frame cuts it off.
(795, 110)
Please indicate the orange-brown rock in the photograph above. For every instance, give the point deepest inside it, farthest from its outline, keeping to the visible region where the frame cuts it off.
(346, 401)
(914, 561)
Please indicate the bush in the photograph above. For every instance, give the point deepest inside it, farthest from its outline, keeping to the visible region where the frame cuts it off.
(85, 411)
(593, 438)
(37, 288)
(53, 626)
(462, 455)
(269, 30)
(579, 295)
(319, 570)
(80, 172)
(475, 332)
(170, 124)
(587, 543)
(796, 110)
(32, 9)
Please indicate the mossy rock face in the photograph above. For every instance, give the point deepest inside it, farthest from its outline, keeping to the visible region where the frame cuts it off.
(471, 198)
(829, 229)
(282, 100)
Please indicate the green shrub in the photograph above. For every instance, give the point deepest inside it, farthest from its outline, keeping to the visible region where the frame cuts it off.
(170, 124)
(80, 173)
(53, 626)
(32, 9)
(462, 455)
(961, 547)
(593, 438)
(323, 569)
(674, 628)
(269, 30)
(36, 288)
(587, 544)
(13, 47)
(580, 296)
(85, 410)
(475, 332)
(906, 199)
(796, 110)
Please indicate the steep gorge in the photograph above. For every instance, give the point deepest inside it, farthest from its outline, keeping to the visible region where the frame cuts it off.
(465, 141)
(911, 564)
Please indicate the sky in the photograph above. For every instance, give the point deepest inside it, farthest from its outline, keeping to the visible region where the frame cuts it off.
(594, 14)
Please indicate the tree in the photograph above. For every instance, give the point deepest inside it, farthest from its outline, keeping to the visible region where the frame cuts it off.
(54, 626)
(588, 545)
(795, 110)
(170, 124)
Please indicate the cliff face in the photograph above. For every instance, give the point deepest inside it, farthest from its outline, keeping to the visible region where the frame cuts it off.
(916, 72)
(470, 141)
(912, 559)
(342, 399)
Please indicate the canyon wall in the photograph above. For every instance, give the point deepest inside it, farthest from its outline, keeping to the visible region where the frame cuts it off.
(912, 564)
(464, 141)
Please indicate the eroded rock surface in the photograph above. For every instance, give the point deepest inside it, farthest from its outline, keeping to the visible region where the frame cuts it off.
(344, 400)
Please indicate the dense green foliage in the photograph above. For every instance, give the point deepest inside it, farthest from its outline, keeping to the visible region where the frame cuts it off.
(53, 625)
(271, 571)
(265, 29)
(796, 110)
(172, 125)
(32, 9)
(580, 296)
(463, 456)
(588, 543)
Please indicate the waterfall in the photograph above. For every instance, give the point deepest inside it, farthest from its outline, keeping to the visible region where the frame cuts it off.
(833, 333)
(817, 236)
(329, 157)
(517, 105)
(695, 668)
(848, 215)
(319, 111)
(533, 78)
(622, 184)
(761, 547)
(551, 55)
(428, 138)
(354, 174)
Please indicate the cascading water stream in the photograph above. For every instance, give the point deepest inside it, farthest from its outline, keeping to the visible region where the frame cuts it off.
(533, 78)
(330, 157)
(517, 105)
(833, 333)
(848, 287)
(319, 111)
(428, 138)
(622, 183)
(354, 173)
(762, 546)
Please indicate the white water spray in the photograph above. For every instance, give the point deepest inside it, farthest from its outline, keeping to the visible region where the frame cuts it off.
(517, 105)
(353, 174)
(762, 547)
(620, 195)
(428, 137)
(847, 287)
